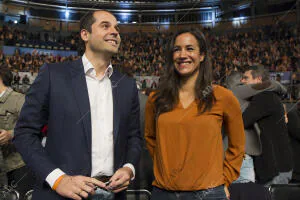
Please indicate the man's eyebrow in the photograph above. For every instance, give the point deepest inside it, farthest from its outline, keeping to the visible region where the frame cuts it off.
(105, 22)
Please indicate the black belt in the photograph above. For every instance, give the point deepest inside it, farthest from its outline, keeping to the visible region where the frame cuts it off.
(102, 178)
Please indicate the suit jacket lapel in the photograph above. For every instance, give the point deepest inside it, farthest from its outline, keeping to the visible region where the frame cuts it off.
(80, 91)
(115, 78)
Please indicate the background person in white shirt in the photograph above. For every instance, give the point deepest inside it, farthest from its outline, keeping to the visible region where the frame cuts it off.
(92, 112)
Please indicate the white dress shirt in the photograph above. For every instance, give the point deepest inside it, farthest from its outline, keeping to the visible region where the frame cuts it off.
(101, 103)
(101, 106)
(2, 93)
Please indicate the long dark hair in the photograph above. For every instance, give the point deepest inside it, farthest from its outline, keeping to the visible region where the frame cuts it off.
(167, 95)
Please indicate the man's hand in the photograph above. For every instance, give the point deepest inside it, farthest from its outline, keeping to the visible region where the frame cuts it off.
(120, 180)
(227, 192)
(77, 187)
(5, 136)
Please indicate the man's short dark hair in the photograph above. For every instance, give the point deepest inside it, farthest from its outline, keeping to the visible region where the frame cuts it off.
(87, 21)
(6, 75)
(259, 71)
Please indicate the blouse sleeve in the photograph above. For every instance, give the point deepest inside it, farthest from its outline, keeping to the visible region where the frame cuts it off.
(234, 128)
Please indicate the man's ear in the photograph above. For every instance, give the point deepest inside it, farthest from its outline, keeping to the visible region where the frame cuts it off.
(84, 35)
(259, 78)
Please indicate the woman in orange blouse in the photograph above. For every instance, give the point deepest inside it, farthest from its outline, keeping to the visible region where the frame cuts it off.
(183, 125)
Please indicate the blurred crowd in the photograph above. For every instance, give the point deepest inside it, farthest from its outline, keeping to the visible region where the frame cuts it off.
(12, 35)
(276, 47)
(31, 62)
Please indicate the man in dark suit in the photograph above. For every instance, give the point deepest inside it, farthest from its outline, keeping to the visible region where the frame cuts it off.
(92, 112)
(274, 165)
(294, 133)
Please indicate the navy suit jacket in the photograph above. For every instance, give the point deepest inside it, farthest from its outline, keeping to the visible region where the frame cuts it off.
(59, 98)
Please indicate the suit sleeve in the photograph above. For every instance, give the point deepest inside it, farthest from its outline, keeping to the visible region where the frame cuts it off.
(256, 110)
(150, 128)
(233, 124)
(247, 91)
(33, 116)
(244, 91)
(134, 139)
(277, 87)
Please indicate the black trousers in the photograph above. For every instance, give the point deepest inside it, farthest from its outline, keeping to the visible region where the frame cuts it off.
(22, 179)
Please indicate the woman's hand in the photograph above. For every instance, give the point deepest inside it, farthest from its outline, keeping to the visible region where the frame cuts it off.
(227, 192)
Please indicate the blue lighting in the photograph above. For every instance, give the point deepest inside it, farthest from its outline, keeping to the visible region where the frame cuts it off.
(67, 14)
(124, 16)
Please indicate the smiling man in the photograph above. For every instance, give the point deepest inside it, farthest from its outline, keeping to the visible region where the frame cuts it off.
(92, 112)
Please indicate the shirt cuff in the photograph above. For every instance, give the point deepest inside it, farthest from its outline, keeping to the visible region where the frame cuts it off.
(132, 169)
(12, 133)
(53, 176)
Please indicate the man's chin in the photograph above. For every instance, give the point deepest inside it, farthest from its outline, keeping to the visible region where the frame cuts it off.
(113, 50)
